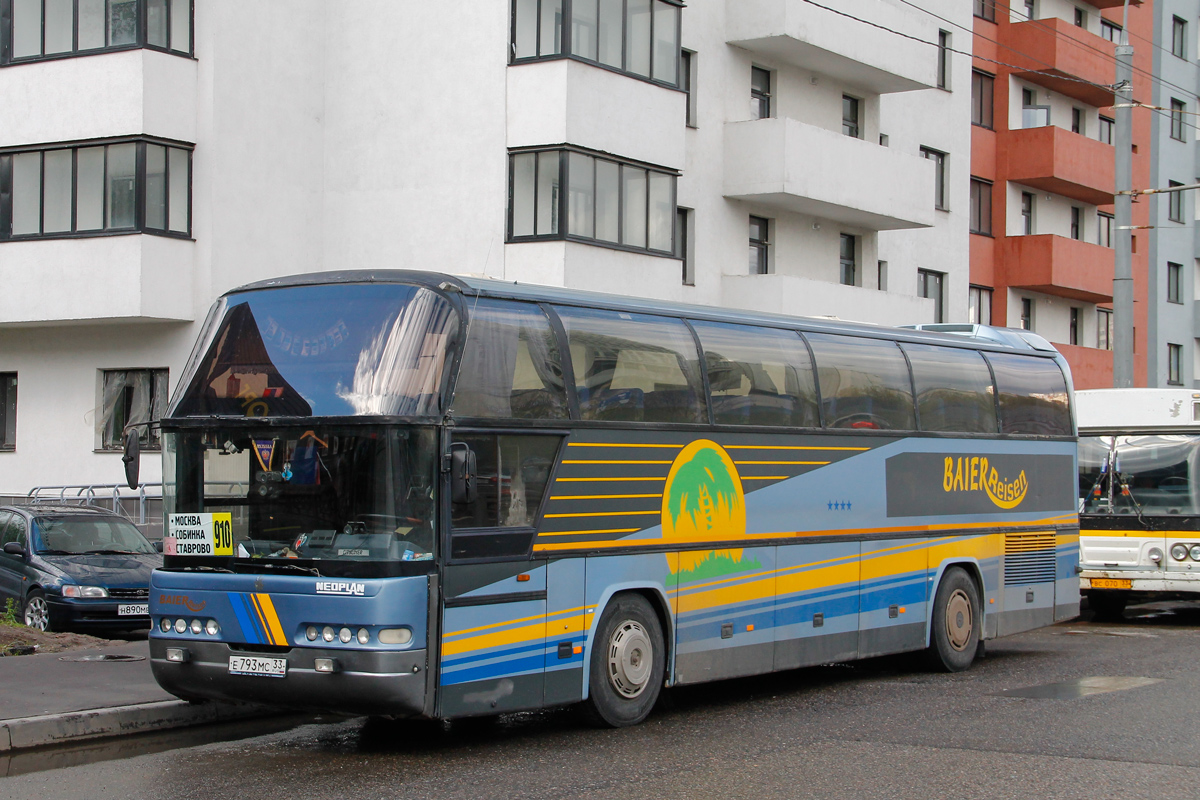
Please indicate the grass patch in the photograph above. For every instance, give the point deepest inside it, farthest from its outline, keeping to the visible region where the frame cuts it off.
(9, 617)
(717, 565)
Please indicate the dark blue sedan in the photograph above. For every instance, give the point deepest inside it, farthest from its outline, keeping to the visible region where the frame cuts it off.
(75, 568)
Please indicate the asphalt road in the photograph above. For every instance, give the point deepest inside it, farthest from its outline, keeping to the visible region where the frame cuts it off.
(1080, 710)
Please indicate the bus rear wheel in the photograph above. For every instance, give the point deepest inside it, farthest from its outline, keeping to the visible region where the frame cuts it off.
(956, 622)
(628, 661)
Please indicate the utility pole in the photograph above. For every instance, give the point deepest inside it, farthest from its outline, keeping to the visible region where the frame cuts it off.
(1123, 272)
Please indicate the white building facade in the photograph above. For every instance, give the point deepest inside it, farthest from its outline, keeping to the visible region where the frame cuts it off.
(762, 154)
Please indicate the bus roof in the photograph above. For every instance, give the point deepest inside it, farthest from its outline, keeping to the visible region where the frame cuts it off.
(1133, 410)
(980, 337)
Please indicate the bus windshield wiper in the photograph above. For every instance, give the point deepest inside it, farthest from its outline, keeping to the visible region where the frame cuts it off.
(292, 567)
(197, 568)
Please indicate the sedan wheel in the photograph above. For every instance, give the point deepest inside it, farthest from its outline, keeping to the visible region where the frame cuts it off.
(37, 612)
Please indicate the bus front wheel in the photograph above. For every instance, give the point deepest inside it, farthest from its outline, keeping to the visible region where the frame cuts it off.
(628, 660)
(956, 622)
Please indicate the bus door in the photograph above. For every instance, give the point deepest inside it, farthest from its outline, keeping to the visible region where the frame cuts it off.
(567, 623)
(816, 604)
(894, 596)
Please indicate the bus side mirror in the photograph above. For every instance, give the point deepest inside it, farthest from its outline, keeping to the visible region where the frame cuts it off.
(132, 458)
(464, 487)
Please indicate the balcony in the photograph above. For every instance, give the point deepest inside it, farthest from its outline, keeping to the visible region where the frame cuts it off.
(804, 35)
(1091, 368)
(1112, 3)
(804, 169)
(791, 294)
(1059, 266)
(90, 97)
(108, 279)
(562, 100)
(1055, 160)
(1053, 52)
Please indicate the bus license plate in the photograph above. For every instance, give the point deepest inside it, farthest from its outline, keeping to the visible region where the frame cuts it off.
(1112, 583)
(255, 665)
(133, 609)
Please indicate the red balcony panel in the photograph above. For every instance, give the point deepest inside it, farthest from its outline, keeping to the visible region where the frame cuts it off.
(1091, 368)
(1063, 58)
(1059, 266)
(1112, 3)
(1055, 160)
(983, 260)
(983, 152)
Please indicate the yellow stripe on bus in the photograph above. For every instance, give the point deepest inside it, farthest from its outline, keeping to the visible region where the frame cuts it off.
(602, 461)
(789, 447)
(656, 512)
(606, 444)
(585, 533)
(605, 496)
(816, 463)
(605, 480)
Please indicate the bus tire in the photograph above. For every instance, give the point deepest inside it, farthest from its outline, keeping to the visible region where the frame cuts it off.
(956, 622)
(1107, 605)
(628, 662)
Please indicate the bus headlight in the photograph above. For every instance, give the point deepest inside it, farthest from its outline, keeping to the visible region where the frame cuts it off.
(1178, 552)
(212, 628)
(312, 633)
(180, 625)
(344, 636)
(395, 636)
(1195, 552)
(197, 627)
(364, 636)
(1156, 555)
(327, 633)
(164, 625)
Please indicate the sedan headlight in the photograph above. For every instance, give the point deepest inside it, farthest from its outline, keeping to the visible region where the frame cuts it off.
(84, 591)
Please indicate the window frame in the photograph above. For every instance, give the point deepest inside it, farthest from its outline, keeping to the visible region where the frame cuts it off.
(852, 125)
(1178, 109)
(139, 225)
(983, 99)
(1106, 129)
(1104, 329)
(985, 9)
(1174, 364)
(1074, 324)
(976, 306)
(940, 159)
(1174, 283)
(1179, 37)
(761, 106)
(848, 265)
(1104, 226)
(1077, 223)
(9, 386)
(141, 34)
(1027, 320)
(149, 442)
(943, 60)
(1174, 203)
(980, 221)
(1110, 30)
(1028, 212)
(926, 278)
(761, 247)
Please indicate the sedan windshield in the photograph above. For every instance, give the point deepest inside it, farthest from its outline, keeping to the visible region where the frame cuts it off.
(78, 535)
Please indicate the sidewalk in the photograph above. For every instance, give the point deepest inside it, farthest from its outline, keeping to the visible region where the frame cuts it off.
(45, 699)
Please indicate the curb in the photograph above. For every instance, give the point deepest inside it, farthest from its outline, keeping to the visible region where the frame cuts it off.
(19, 734)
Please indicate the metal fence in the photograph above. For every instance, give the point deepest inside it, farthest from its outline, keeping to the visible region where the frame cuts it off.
(141, 506)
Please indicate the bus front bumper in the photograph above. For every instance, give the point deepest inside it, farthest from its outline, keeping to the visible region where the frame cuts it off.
(1142, 582)
(364, 681)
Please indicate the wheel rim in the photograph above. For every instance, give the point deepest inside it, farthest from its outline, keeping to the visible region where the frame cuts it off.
(37, 613)
(630, 658)
(959, 622)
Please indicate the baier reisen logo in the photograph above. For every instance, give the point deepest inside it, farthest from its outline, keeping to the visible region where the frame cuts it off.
(937, 484)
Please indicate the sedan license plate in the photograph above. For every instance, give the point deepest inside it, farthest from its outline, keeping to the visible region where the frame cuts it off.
(1112, 583)
(133, 609)
(257, 665)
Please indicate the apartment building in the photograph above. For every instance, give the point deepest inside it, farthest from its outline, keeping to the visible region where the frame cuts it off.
(1173, 358)
(1042, 174)
(766, 154)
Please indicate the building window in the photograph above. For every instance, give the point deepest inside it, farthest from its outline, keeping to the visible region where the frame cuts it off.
(1027, 203)
(86, 191)
(1175, 203)
(1105, 130)
(1033, 115)
(1105, 226)
(851, 119)
(943, 62)
(8, 411)
(1077, 125)
(985, 9)
(979, 305)
(1110, 31)
(1179, 37)
(881, 275)
(929, 284)
(848, 259)
(1030, 9)
(1174, 358)
(638, 37)
(981, 206)
(687, 82)
(38, 29)
(1104, 328)
(760, 93)
(1076, 223)
(939, 176)
(983, 93)
(1174, 282)
(1073, 331)
(130, 397)
(760, 245)
(1026, 314)
(683, 241)
(1178, 107)
(1080, 18)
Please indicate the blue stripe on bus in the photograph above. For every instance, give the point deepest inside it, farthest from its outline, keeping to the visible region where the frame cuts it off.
(245, 619)
(529, 664)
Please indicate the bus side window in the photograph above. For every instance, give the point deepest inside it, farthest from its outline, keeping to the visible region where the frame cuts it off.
(864, 382)
(511, 367)
(513, 472)
(758, 376)
(633, 367)
(954, 389)
(1033, 395)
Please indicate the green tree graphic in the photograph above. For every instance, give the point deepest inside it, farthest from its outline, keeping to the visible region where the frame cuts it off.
(699, 487)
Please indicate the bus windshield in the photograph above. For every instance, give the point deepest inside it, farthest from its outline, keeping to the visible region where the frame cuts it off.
(351, 501)
(1154, 474)
(325, 350)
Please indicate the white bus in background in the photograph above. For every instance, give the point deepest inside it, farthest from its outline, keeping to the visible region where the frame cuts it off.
(1139, 496)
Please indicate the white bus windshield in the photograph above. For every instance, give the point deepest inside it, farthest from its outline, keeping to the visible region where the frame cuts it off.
(1152, 475)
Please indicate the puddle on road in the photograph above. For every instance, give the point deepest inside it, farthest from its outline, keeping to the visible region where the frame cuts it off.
(1081, 687)
(1131, 634)
(24, 762)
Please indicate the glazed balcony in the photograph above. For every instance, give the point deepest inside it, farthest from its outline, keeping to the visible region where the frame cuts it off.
(1061, 57)
(1056, 160)
(793, 166)
(816, 39)
(1059, 266)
